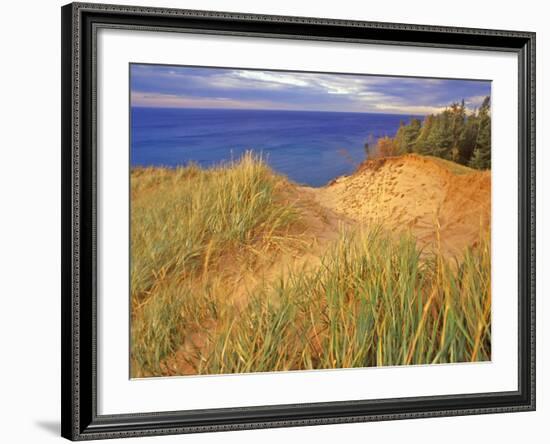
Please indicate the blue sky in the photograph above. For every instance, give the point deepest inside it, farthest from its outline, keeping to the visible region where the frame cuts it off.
(166, 86)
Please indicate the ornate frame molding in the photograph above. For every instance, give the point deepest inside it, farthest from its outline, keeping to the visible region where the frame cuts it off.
(79, 395)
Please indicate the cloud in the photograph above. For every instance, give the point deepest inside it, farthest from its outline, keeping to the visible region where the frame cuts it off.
(272, 78)
(409, 109)
(153, 100)
(179, 86)
(474, 101)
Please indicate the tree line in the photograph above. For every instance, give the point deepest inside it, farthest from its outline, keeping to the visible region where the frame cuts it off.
(454, 134)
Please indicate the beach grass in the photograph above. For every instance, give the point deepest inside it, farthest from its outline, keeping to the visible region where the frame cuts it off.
(186, 225)
(374, 299)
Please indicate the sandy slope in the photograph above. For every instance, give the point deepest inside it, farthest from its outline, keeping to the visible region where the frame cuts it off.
(401, 193)
(423, 194)
(319, 227)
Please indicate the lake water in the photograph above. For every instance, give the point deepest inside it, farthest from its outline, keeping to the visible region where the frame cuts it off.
(310, 148)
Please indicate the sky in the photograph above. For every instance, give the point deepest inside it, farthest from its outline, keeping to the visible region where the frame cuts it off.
(165, 86)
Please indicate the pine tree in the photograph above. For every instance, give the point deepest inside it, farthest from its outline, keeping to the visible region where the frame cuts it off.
(457, 123)
(483, 143)
(412, 133)
(468, 137)
(406, 136)
(423, 145)
(451, 134)
(479, 160)
(399, 140)
(441, 137)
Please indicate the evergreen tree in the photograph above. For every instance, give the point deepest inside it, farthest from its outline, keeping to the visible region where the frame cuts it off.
(399, 140)
(407, 135)
(452, 134)
(457, 123)
(483, 142)
(412, 133)
(468, 137)
(479, 160)
(441, 137)
(423, 144)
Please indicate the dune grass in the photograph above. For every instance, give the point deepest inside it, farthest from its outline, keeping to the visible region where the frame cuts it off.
(188, 224)
(374, 300)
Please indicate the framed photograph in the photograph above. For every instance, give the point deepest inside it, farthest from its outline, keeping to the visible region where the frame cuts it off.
(281, 221)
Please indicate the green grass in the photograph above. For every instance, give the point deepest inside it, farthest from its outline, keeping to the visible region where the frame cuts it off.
(374, 300)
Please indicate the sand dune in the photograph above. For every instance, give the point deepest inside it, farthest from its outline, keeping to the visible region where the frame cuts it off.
(422, 194)
(443, 204)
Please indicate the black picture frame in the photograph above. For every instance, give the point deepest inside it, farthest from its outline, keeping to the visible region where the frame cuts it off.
(80, 22)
